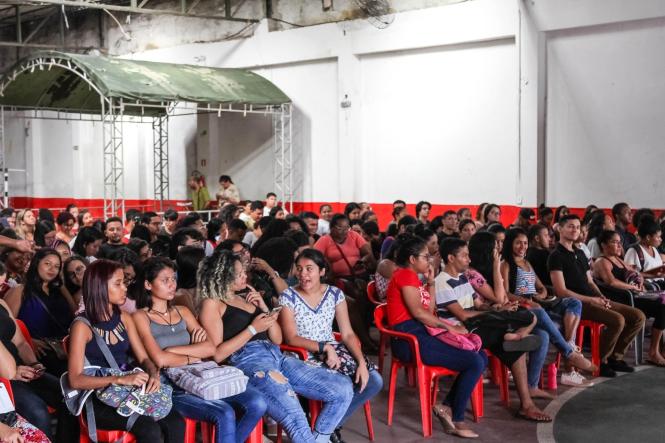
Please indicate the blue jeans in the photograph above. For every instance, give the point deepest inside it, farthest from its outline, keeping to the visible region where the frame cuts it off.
(469, 364)
(373, 387)
(548, 332)
(264, 364)
(222, 413)
(567, 305)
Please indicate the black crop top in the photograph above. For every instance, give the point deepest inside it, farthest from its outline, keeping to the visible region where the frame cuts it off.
(236, 319)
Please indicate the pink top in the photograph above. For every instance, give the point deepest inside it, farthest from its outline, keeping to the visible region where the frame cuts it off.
(350, 247)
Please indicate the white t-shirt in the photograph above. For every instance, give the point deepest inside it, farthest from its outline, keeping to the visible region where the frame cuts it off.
(649, 262)
(250, 238)
(324, 227)
(594, 248)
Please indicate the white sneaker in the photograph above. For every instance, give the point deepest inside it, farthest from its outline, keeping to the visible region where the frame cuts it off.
(575, 379)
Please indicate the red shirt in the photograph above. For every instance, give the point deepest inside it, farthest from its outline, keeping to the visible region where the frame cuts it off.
(350, 247)
(397, 310)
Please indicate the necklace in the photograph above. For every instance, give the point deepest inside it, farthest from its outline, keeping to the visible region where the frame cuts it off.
(163, 315)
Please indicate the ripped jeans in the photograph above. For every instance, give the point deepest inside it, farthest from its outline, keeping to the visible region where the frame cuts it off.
(280, 378)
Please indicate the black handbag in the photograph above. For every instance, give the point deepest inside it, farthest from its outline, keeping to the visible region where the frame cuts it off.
(508, 320)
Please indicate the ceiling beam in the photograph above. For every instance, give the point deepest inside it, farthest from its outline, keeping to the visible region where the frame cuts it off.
(136, 10)
(39, 26)
(44, 46)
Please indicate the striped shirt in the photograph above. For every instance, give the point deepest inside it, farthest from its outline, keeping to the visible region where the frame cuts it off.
(450, 290)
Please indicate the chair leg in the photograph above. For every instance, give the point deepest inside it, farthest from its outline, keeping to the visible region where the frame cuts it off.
(279, 434)
(382, 351)
(477, 400)
(595, 347)
(424, 383)
(314, 409)
(368, 420)
(503, 386)
(257, 434)
(207, 432)
(552, 371)
(190, 430)
(394, 367)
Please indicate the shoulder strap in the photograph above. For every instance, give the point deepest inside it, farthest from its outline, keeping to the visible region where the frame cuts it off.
(101, 344)
(640, 255)
(353, 273)
(48, 311)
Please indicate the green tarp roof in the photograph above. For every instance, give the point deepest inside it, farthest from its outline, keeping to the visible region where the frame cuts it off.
(38, 82)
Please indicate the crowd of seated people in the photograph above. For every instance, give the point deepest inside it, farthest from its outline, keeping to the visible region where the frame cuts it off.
(168, 291)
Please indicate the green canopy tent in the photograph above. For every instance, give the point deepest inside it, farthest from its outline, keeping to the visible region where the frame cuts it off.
(113, 91)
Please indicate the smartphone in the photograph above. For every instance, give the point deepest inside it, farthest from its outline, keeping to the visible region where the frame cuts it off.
(275, 310)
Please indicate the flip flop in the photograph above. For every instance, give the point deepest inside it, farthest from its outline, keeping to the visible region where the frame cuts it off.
(539, 417)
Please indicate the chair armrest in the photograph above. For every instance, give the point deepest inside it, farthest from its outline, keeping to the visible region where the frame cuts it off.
(300, 352)
(620, 295)
(411, 340)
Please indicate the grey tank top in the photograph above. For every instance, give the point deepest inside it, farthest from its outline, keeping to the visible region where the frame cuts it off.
(167, 336)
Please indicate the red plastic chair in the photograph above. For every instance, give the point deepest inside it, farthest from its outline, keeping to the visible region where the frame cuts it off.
(315, 405)
(371, 293)
(383, 340)
(427, 377)
(25, 332)
(595, 329)
(208, 433)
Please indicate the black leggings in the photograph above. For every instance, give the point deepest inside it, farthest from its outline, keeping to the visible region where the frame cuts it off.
(652, 308)
(146, 430)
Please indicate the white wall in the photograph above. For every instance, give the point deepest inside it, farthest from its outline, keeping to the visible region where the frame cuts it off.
(446, 117)
(605, 129)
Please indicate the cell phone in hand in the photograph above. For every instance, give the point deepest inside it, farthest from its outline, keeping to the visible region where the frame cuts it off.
(275, 310)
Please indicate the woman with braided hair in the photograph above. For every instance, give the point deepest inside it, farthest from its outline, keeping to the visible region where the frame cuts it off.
(246, 333)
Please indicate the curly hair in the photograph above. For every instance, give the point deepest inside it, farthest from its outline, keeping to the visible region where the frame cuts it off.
(216, 275)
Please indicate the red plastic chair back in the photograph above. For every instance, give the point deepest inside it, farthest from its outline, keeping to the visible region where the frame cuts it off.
(371, 293)
(25, 332)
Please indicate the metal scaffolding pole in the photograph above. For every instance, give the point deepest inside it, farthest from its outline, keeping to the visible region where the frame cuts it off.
(3, 165)
(160, 137)
(112, 129)
(283, 153)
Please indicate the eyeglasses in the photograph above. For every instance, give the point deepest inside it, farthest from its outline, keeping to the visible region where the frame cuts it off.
(129, 280)
(76, 272)
(425, 256)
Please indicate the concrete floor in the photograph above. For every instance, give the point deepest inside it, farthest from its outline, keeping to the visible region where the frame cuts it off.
(498, 425)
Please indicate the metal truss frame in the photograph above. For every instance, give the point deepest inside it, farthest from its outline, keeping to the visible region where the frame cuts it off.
(283, 153)
(160, 153)
(112, 118)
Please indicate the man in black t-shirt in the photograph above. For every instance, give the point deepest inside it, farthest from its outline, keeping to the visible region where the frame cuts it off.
(571, 277)
(113, 234)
